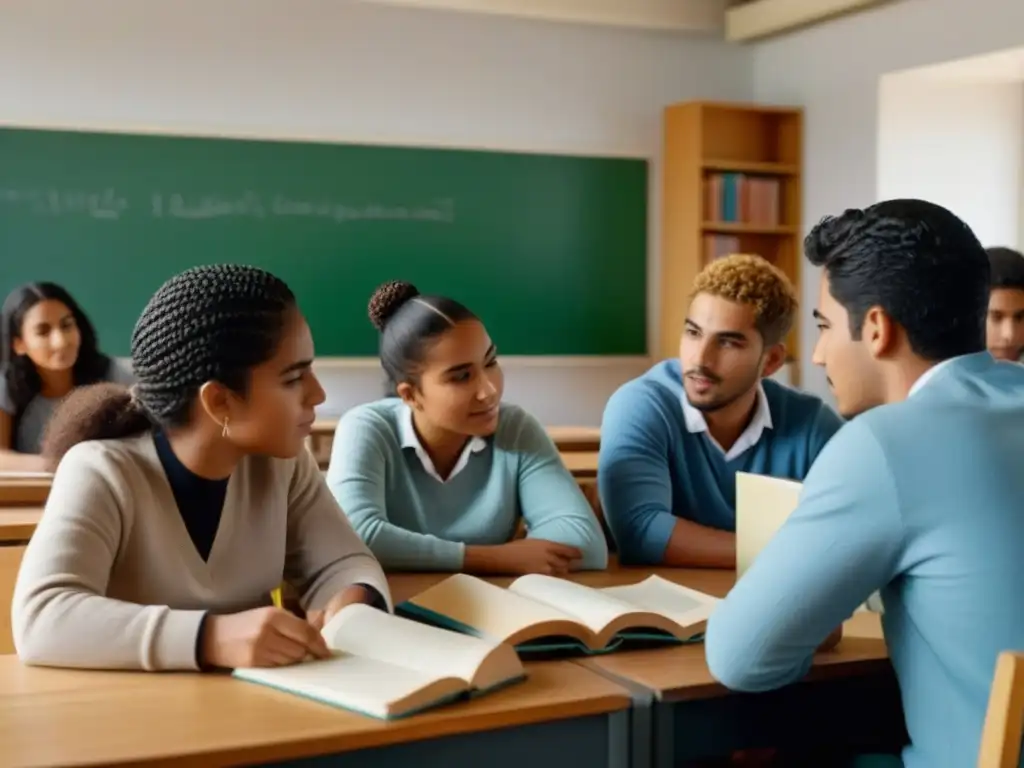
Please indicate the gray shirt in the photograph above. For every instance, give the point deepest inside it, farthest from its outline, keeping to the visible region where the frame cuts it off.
(28, 432)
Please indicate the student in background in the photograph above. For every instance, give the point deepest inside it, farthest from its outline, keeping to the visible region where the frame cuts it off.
(439, 477)
(48, 348)
(1005, 327)
(920, 496)
(180, 505)
(673, 439)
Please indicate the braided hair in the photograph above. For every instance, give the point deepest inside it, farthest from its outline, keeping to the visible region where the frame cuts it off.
(208, 323)
(407, 321)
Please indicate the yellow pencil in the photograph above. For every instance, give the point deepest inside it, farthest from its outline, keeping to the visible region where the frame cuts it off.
(275, 595)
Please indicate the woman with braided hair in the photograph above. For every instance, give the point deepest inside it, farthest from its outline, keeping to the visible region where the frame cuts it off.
(178, 506)
(439, 477)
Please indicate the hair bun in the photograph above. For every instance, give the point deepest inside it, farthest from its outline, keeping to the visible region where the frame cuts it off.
(388, 299)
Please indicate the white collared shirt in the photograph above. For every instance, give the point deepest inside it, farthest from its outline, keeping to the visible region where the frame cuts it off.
(927, 375)
(411, 440)
(762, 420)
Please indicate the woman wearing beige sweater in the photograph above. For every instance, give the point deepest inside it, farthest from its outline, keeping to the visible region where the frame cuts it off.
(179, 505)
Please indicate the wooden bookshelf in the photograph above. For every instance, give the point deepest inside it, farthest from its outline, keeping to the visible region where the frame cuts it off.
(731, 184)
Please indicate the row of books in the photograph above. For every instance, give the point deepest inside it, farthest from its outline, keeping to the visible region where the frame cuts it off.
(739, 198)
(464, 637)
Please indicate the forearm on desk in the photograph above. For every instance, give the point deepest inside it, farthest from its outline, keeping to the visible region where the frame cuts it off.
(692, 545)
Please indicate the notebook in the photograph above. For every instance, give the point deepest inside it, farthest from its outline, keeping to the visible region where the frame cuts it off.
(544, 614)
(763, 504)
(389, 667)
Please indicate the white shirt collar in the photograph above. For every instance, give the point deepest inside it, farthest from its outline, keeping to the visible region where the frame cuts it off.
(695, 422)
(411, 440)
(925, 377)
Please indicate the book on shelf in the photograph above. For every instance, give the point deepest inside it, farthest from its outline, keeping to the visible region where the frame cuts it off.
(720, 246)
(741, 198)
(389, 667)
(763, 505)
(545, 614)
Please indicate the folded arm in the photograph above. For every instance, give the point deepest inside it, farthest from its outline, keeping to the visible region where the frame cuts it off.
(553, 506)
(842, 543)
(60, 613)
(357, 479)
(325, 556)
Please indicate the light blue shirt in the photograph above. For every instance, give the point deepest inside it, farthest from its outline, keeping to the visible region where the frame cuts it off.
(658, 463)
(413, 520)
(924, 501)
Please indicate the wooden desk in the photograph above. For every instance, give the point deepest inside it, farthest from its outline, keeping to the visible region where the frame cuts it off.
(571, 439)
(567, 439)
(74, 718)
(18, 490)
(850, 697)
(582, 464)
(17, 524)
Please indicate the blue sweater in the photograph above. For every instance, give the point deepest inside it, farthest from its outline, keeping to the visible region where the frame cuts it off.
(652, 470)
(413, 521)
(923, 501)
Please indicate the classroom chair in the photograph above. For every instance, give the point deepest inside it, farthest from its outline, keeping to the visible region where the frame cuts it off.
(1004, 718)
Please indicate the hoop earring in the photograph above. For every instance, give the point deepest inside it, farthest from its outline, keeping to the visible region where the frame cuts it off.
(224, 428)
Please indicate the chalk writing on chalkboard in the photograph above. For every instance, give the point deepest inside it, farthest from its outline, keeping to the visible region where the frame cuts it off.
(109, 205)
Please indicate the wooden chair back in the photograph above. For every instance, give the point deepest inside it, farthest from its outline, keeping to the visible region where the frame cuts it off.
(1004, 718)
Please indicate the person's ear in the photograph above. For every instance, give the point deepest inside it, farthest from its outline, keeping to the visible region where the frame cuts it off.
(18, 346)
(216, 401)
(408, 393)
(774, 359)
(879, 332)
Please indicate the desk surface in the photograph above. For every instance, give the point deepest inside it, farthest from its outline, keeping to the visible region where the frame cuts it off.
(682, 672)
(17, 524)
(16, 490)
(565, 437)
(74, 718)
(582, 464)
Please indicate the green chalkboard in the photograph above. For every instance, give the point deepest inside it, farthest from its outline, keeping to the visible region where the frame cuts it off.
(549, 250)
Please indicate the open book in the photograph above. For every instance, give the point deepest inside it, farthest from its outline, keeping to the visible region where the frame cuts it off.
(389, 667)
(763, 504)
(543, 613)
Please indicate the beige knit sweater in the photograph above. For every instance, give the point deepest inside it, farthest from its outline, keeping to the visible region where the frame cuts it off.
(112, 580)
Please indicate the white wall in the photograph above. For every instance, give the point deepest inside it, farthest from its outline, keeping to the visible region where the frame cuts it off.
(958, 144)
(345, 70)
(833, 71)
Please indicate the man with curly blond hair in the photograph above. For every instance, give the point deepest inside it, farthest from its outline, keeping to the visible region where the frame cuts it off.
(673, 439)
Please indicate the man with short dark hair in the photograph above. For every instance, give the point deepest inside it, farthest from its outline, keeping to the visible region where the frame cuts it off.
(919, 496)
(1005, 327)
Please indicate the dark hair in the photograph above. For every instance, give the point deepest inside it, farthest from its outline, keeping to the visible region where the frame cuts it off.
(18, 371)
(209, 323)
(407, 321)
(1007, 268)
(917, 261)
